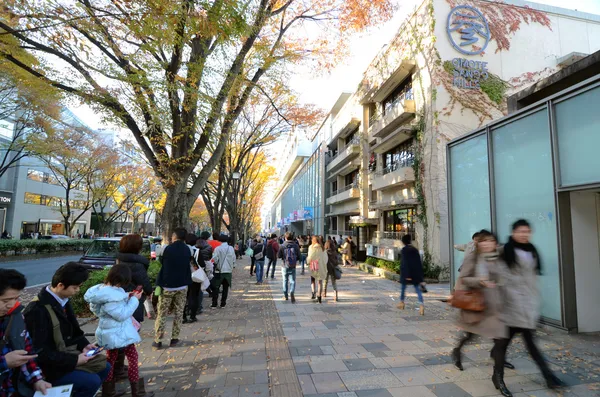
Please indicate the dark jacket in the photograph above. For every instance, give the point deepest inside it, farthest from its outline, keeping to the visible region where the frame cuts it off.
(258, 248)
(54, 364)
(272, 249)
(175, 270)
(205, 253)
(286, 244)
(139, 276)
(332, 261)
(411, 266)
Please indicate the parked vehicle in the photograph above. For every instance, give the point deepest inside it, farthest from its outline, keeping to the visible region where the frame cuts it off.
(103, 253)
(55, 237)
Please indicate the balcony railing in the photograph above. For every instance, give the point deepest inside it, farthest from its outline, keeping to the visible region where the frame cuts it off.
(353, 141)
(342, 232)
(407, 162)
(393, 235)
(404, 96)
(344, 189)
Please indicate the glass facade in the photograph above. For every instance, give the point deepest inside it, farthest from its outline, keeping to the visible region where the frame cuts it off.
(469, 175)
(524, 144)
(577, 129)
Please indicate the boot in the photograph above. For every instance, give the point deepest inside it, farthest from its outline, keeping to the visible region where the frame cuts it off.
(401, 306)
(552, 381)
(319, 299)
(422, 310)
(506, 363)
(138, 389)
(120, 370)
(336, 296)
(498, 380)
(456, 358)
(313, 296)
(324, 292)
(109, 389)
(293, 298)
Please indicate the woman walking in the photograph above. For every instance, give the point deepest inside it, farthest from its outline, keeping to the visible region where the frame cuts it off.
(317, 260)
(116, 330)
(347, 252)
(521, 310)
(411, 272)
(303, 243)
(258, 253)
(332, 263)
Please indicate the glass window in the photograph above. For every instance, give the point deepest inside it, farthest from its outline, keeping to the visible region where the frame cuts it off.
(401, 92)
(53, 201)
(33, 198)
(35, 175)
(470, 180)
(578, 127)
(524, 188)
(400, 221)
(400, 156)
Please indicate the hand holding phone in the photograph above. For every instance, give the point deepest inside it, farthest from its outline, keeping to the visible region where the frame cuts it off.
(93, 352)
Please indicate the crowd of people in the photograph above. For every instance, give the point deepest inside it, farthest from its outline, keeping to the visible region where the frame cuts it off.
(42, 345)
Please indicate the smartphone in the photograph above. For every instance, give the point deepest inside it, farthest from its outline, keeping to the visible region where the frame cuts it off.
(95, 351)
(139, 288)
(35, 352)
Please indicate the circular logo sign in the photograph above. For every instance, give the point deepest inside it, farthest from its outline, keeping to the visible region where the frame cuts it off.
(468, 30)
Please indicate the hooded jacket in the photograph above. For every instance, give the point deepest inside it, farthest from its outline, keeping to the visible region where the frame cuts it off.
(139, 276)
(114, 309)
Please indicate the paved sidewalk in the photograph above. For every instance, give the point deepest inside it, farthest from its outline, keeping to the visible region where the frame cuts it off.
(260, 345)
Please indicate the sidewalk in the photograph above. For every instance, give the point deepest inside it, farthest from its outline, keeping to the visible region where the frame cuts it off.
(361, 346)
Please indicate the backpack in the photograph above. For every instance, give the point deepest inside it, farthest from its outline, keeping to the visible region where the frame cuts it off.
(269, 250)
(290, 256)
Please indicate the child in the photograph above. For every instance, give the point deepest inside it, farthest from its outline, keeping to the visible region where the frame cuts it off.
(116, 330)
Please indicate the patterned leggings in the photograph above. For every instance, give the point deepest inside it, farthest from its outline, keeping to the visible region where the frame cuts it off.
(132, 358)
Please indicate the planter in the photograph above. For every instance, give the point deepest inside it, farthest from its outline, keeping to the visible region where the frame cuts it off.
(379, 272)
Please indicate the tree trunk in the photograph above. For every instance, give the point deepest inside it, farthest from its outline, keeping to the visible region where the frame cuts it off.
(175, 213)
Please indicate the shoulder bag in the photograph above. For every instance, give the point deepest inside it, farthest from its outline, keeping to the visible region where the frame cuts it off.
(467, 299)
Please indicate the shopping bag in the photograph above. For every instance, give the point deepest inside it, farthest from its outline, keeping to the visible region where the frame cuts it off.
(249, 251)
(198, 276)
(149, 308)
(338, 273)
(136, 324)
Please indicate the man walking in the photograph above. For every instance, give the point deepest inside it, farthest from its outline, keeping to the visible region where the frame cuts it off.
(224, 261)
(174, 277)
(290, 254)
(271, 252)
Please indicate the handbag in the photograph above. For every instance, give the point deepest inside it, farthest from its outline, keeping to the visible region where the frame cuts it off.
(136, 324)
(467, 299)
(249, 251)
(198, 276)
(338, 273)
(259, 256)
(149, 308)
(314, 265)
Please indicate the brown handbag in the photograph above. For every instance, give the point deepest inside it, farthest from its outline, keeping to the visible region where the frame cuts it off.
(468, 299)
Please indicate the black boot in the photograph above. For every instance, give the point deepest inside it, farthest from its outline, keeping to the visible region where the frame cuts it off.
(108, 389)
(138, 389)
(506, 363)
(498, 380)
(120, 370)
(552, 381)
(313, 296)
(456, 358)
(319, 299)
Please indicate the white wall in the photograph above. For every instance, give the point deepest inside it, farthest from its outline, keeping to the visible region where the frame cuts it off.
(585, 218)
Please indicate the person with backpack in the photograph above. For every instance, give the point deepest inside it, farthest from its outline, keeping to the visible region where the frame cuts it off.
(289, 254)
(303, 242)
(271, 252)
(258, 253)
(116, 330)
(317, 260)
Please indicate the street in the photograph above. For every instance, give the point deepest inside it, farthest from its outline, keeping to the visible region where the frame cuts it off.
(39, 271)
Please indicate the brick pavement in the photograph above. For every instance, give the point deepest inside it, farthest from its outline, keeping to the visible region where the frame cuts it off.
(361, 346)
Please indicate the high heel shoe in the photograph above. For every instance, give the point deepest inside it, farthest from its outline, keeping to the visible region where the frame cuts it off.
(498, 380)
(456, 358)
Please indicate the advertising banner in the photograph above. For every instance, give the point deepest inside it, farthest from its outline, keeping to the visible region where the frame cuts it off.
(308, 212)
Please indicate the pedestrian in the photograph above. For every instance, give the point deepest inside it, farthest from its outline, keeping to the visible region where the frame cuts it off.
(215, 241)
(411, 272)
(347, 253)
(21, 375)
(272, 252)
(194, 291)
(252, 260)
(258, 253)
(521, 309)
(114, 308)
(61, 343)
(130, 247)
(224, 261)
(172, 282)
(340, 241)
(289, 255)
(332, 264)
(205, 252)
(303, 242)
(317, 260)
(352, 250)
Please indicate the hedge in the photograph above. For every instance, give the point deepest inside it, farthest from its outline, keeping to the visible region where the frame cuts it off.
(429, 271)
(22, 246)
(81, 307)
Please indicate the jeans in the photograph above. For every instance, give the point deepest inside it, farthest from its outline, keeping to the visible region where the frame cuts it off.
(271, 263)
(403, 290)
(252, 264)
(85, 384)
(260, 268)
(288, 275)
(501, 345)
(303, 261)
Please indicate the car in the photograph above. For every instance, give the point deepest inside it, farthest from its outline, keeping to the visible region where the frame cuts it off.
(103, 252)
(55, 237)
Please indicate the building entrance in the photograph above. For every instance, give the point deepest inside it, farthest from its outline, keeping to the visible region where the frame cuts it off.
(585, 225)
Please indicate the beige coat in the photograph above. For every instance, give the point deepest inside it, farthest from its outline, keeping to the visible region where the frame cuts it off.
(347, 252)
(316, 253)
(489, 322)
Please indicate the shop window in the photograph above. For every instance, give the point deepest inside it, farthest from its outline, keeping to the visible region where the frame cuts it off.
(33, 198)
(35, 175)
(524, 188)
(400, 221)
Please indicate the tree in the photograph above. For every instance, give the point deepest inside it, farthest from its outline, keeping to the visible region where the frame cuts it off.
(179, 73)
(199, 219)
(74, 157)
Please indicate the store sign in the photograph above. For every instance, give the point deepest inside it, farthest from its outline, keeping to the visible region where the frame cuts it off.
(468, 73)
(5, 198)
(468, 30)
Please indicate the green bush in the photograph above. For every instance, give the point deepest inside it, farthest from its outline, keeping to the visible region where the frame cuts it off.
(392, 266)
(153, 271)
(20, 246)
(371, 261)
(80, 306)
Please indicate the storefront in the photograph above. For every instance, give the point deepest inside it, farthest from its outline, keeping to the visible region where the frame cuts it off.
(540, 164)
(5, 201)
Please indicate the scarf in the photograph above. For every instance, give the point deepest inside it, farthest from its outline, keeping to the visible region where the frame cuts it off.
(510, 257)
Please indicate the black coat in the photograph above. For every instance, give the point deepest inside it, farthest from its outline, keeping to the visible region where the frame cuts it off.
(54, 364)
(332, 261)
(139, 276)
(258, 248)
(175, 270)
(411, 266)
(205, 253)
